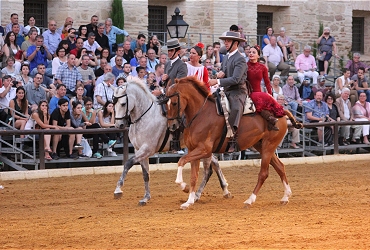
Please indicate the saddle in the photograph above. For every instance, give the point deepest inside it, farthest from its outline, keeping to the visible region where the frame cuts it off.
(220, 97)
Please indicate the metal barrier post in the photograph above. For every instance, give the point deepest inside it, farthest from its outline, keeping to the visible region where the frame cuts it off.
(42, 150)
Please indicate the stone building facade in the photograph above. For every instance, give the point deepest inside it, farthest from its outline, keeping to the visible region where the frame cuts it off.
(210, 18)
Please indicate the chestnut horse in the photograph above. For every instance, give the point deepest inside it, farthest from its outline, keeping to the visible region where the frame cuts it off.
(204, 128)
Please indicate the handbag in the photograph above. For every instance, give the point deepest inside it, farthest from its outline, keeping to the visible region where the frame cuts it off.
(86, 147)
(18, 55)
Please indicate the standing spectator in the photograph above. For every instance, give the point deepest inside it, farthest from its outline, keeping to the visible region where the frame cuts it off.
(69, 75)
(11, 49)
(32, 24)
(128, 54)
(79, 46)
(354, 64)
(39, 54)
(361, 112)
(152, 61)
(305, 65)
(88, 77)
(111, 32)
(82, 31)
(154, 44)
(51, 37)
(59, 60)
(34, 92)
(91, 44)
(139, 43)
(345, 81)
(274, 58)
(119, 52)
(101, 38)
(266, 38)
(60, 94)
(32, 34)
(286, 44)
(291, 94)
(93, 25)
(19, 104)
(14, 20)
(104, 91)
(7, 93)
(361, 83)
(327, 46)
(118, 68)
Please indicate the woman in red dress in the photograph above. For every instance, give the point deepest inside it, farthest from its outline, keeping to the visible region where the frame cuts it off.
(195, 68)
(265, 104)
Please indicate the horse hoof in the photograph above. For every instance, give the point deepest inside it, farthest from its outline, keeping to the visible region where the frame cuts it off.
(185, 206)
(186, 189)
(247, 205)
(228, 196)
(142, 203)
(284, 202)
(118, 195)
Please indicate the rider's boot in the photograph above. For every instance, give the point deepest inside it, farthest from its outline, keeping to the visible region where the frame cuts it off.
(271, 120)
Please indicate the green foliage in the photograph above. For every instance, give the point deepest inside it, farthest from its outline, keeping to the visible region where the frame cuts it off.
(350, 54)
(341, 63)
(118, 17)
(315, 46)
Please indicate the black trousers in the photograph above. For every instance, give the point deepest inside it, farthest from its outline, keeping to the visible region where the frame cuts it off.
(96, 137)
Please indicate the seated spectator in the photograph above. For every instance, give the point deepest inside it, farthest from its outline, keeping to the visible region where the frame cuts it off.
(7, 93)
(47, 82)
(154, 44)
(141, 74)
(112, 32)
(305, 90)
(41, 117)
(361, 83)
(14, 20)
(135, 61)
(163, 58)
(119, 52)
(65, 32)
(20, 105)
(246, 52)
(152, 60)
(69, 75)
(267, 36)
(19, 36)
(106, 119)
(23, 78)
(71, 39)
(291, 94)
(93, 59)
(79, 95)
(126, 71)
(120, 81)
(139, 43)
(68, 21)
(88, 77)
(9, 69)
(78, 121)
(142, 63)
(101, 38)
(79, 46)
(333, 110)
(286, 44)
(34, 92)
(104, 54)
(52, 37)
(159, 71)
(321, 86)
(39, 54)
(345, 113)
(128, 53)
(61, 118)
(92, 27)
(64, 44)
(276, 89)
(354, 64)
(295, 132)
(59, 60)
(210, 55)
(305, 65)
(91, 44)
(104, 91)
(100, 71)
(82, 31)
(317, 111)
(361, 112)
(274, 58)
(107, 69)
(60, 94)
(153, 85)
(118, 68)
(345, 82)
(32, 34)
(11, 49)
(31, 24)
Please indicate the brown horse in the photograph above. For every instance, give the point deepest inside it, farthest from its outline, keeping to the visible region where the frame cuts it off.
(204, 129)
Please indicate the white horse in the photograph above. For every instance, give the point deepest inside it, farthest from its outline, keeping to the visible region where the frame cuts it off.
(148, 134)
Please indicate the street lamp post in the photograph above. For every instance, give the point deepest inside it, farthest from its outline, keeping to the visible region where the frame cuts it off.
(177, 27)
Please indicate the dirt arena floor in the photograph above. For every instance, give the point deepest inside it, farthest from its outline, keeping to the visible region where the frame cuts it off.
(329, 209)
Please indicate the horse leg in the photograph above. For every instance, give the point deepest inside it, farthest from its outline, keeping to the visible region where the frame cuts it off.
(280, 169)
(128, 165)
(223, 182)
(145, 170)
(262, 175)
(193, 182)
(207, 173)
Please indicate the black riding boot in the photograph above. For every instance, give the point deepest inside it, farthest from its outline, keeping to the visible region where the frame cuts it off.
(233, 145)
(175, 142)
(269, 117)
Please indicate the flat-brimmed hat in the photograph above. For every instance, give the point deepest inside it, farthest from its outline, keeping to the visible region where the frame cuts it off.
(232, 36)
(173, 44)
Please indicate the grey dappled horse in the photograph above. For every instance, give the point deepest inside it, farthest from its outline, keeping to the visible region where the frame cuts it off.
(147, 134)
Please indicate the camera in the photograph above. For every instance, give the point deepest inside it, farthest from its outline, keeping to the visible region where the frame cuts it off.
(42, 49)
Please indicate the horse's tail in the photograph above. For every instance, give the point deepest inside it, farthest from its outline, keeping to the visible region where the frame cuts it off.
(295, 123)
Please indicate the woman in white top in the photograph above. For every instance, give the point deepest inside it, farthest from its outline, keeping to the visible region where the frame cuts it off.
(106, 119)
(209, 55)
(195, 68)
(31, 24)
(276, 89)
(345, 82)
(10, 69)
(59, 60)
(23, 78)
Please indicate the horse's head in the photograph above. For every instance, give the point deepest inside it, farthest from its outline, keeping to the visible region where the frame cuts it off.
(174, 109)
(120, 101)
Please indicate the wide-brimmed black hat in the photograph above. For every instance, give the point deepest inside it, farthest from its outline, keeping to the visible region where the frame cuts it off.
(173, 44)
(232, 36)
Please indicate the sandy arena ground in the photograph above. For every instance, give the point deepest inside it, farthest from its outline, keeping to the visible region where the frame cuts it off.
(329, 209)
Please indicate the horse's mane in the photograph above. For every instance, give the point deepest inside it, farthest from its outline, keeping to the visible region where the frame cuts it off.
(200, 86)
(141, 85)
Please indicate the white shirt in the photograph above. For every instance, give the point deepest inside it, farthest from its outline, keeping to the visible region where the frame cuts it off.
(4, 102)
(92, 47)
(346, 109)
(274, 55)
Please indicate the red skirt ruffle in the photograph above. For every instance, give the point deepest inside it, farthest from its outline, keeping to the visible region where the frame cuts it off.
(264, 101)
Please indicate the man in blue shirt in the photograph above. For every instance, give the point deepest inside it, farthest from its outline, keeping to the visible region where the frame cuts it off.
(39, 54)
(139, 43)
(52, 38)
(111, 32)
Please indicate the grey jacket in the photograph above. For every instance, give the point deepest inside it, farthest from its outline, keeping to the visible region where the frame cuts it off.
(177, 70)
(235, 69)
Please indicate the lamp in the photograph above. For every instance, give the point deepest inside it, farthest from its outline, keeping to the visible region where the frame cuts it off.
(177, 27)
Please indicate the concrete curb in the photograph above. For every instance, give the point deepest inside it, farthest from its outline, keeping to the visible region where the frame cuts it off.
(49, 173)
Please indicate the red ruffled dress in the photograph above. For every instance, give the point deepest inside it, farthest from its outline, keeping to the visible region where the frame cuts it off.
(262, 101)
(200, 72)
